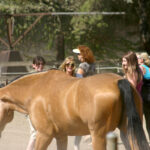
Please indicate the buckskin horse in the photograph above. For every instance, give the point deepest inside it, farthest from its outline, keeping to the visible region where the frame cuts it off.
(60, 106)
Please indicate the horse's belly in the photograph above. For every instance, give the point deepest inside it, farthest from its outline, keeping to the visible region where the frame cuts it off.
(73, 128)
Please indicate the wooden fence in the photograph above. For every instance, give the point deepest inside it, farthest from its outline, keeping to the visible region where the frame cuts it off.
(10, 75)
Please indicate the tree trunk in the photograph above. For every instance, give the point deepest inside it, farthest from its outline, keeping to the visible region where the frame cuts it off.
(60, 46)
(10, 31)
(144, 26)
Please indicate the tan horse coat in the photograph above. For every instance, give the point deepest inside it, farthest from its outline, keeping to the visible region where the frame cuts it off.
(60, 105)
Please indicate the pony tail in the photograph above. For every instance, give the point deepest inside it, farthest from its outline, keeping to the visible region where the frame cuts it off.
(134, 127)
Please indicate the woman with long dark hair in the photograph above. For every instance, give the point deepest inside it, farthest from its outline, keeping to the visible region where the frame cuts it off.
(132, 70)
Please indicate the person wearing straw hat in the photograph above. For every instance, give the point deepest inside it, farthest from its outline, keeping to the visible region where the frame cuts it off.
(86, 68)
(86, 58)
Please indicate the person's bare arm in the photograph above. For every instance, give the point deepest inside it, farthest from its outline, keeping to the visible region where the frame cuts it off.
(80, 71)
(133, 79)
(143, 70)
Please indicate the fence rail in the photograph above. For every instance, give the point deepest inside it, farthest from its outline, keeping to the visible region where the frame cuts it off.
(10, 75)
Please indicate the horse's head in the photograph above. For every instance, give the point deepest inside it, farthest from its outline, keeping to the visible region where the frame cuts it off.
(6, 115)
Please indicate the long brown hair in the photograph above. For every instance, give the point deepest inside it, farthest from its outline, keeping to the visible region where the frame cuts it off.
(133, 65)
(87, 54)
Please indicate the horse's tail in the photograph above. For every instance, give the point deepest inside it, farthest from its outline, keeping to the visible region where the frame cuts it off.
(135, 130)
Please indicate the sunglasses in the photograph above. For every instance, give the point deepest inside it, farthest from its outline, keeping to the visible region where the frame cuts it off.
(70, 65)
(38, 64)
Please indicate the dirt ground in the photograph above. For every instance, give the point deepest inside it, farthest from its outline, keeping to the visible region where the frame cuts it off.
(17, 133)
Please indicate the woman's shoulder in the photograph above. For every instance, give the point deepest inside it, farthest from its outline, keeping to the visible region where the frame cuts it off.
(145, 66)
(84, 65)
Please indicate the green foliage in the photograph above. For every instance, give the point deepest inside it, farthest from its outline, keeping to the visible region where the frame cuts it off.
(85, 25)
(92, 30)
(19, 6)
(86, 28)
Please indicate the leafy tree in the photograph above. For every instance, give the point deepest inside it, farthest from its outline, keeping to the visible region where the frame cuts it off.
(142, 9)
(69, 31)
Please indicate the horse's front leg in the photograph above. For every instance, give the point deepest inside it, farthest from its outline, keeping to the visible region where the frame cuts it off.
(62, 142)
(42, 141)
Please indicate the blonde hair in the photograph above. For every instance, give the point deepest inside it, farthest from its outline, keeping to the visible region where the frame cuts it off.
(145, 58)
(63, 65)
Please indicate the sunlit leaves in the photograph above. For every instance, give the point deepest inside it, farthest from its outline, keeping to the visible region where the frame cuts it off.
(14, 7)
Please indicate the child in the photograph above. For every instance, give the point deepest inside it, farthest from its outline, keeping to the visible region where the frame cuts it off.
(38, 63)
(38, 66)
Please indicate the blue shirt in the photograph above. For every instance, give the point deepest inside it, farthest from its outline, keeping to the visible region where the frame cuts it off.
(79, 75)
(147, 73)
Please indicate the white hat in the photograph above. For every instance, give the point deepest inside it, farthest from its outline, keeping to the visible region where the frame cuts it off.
(77, 51)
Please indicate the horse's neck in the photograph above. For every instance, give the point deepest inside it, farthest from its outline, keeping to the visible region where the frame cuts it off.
(15, 107)
(11, 101)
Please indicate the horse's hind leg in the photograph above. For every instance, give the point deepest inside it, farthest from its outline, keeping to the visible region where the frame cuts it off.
(62, 143)
(42, 141)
